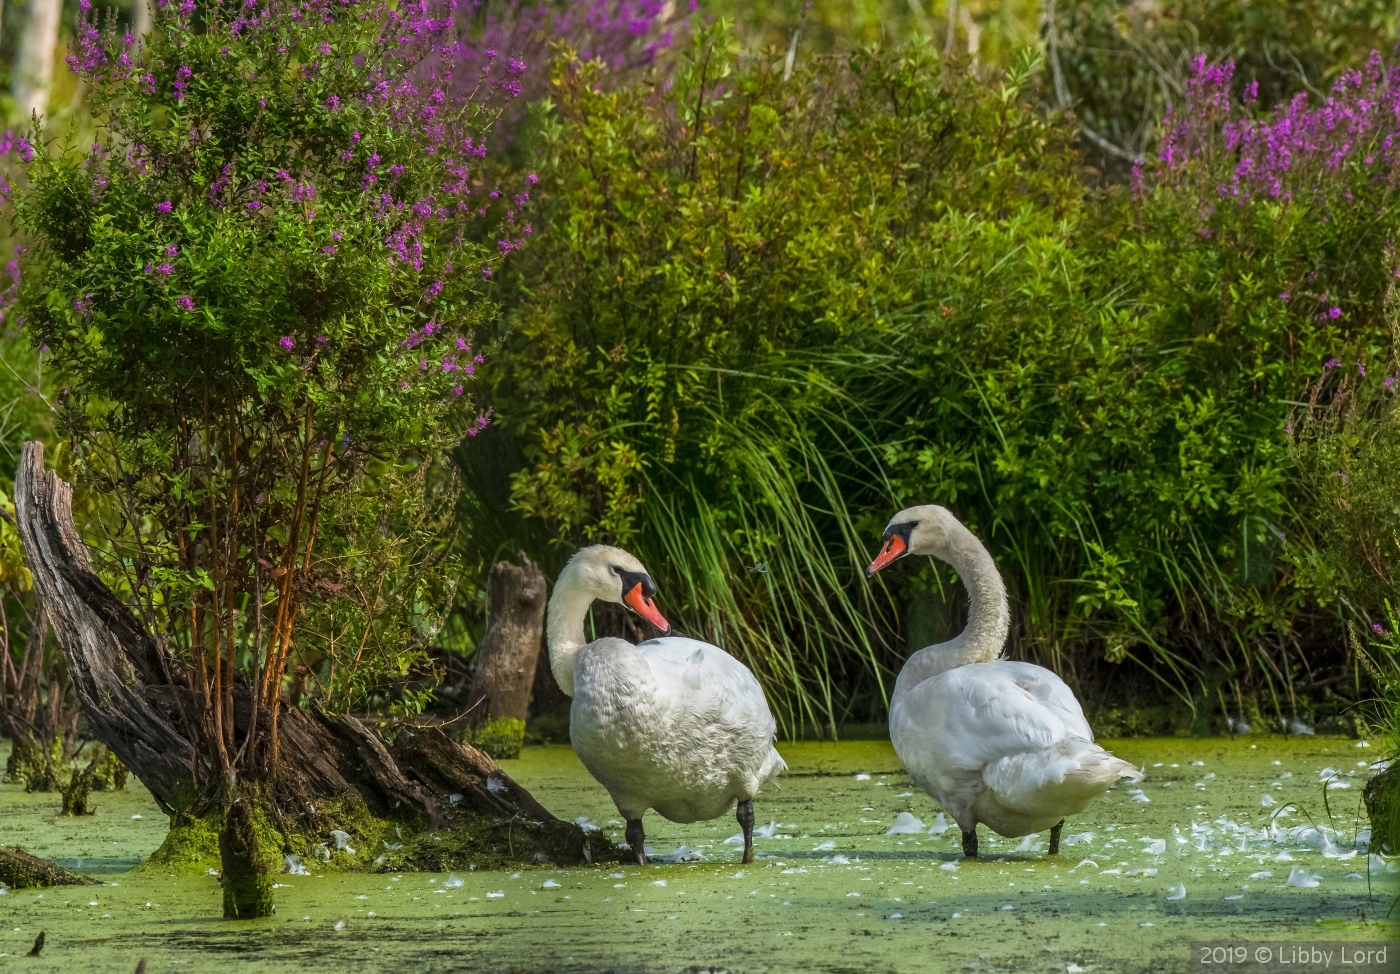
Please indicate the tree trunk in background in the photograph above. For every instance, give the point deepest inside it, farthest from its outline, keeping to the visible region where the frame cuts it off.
(43, 733)
(505, 664)
(19, 703)
(33, 70)
(142, 22)
(333, 768)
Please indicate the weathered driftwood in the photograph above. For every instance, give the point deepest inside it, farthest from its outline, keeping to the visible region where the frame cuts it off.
(137, 701)
(505, 664)
(111, 659)
(20, 870)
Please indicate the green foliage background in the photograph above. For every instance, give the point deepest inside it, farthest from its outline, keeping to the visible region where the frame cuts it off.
(807, 283)
(772, 305)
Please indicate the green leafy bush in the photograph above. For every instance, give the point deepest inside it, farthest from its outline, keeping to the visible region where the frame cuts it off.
(768, 309)
(703, 356)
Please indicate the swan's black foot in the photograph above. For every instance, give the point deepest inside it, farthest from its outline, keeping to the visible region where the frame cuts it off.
(970, 843)
(744, 813)
(1055, 837)
(636, 839)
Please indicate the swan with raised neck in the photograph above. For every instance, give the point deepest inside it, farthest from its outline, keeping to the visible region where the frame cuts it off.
(932, 530)
(996, 741)
(599, 572)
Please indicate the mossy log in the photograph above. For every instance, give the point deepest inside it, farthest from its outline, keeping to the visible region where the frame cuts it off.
(20, 870)
(1382, 798)
(334, 772)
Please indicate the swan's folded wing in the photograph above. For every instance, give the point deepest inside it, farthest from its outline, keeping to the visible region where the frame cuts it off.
(976, 714)
(714, 685)
(1051, 693)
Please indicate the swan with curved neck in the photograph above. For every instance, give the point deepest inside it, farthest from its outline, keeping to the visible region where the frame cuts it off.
(997, 742)
(672, 724)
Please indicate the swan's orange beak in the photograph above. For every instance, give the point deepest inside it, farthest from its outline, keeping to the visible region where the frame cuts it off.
(646, 608)
(894, 547)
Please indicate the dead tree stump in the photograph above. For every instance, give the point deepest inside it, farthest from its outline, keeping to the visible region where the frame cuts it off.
(75, 795)
(1382, 798)
(505, 664)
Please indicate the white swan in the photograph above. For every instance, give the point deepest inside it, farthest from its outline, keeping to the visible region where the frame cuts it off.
(672, 724)
(996, 741)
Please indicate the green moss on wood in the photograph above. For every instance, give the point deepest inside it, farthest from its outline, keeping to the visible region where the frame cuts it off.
(75, 795)
(191, 847)
(500, 737)
(372, 843)
(110, 775)
(1382, 797)
(20, 870)
(29, 766)
(245, 876)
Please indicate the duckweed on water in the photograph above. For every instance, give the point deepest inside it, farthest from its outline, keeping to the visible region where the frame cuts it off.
(1202, 858)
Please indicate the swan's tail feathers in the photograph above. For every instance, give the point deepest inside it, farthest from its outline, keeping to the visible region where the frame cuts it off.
(1063, 778)
(773, 765)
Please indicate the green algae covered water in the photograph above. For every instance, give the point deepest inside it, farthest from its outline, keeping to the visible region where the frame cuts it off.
(1223, 839)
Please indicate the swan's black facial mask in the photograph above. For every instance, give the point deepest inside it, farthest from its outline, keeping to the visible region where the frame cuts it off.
(894, 546)
(638, 590)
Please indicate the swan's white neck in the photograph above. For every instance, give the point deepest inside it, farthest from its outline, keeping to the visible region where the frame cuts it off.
(568, 608)
(988, 618)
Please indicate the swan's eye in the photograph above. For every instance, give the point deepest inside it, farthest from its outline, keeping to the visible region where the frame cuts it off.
(901, 531)
(631, 580)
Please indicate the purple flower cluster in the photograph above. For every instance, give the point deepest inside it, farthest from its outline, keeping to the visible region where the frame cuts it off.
(626, 34)
(1297, 149)
(481, 422)
(9, 143)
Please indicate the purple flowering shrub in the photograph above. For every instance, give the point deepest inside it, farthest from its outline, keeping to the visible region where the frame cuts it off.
(1124, 66)
(259, 287)
(1128, 425)
(518, 36)
(1301, 150)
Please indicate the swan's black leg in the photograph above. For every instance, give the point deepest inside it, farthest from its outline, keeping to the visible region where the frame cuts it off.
(636, 839)
(1055, 837)
(744, 813)
(970, 843)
